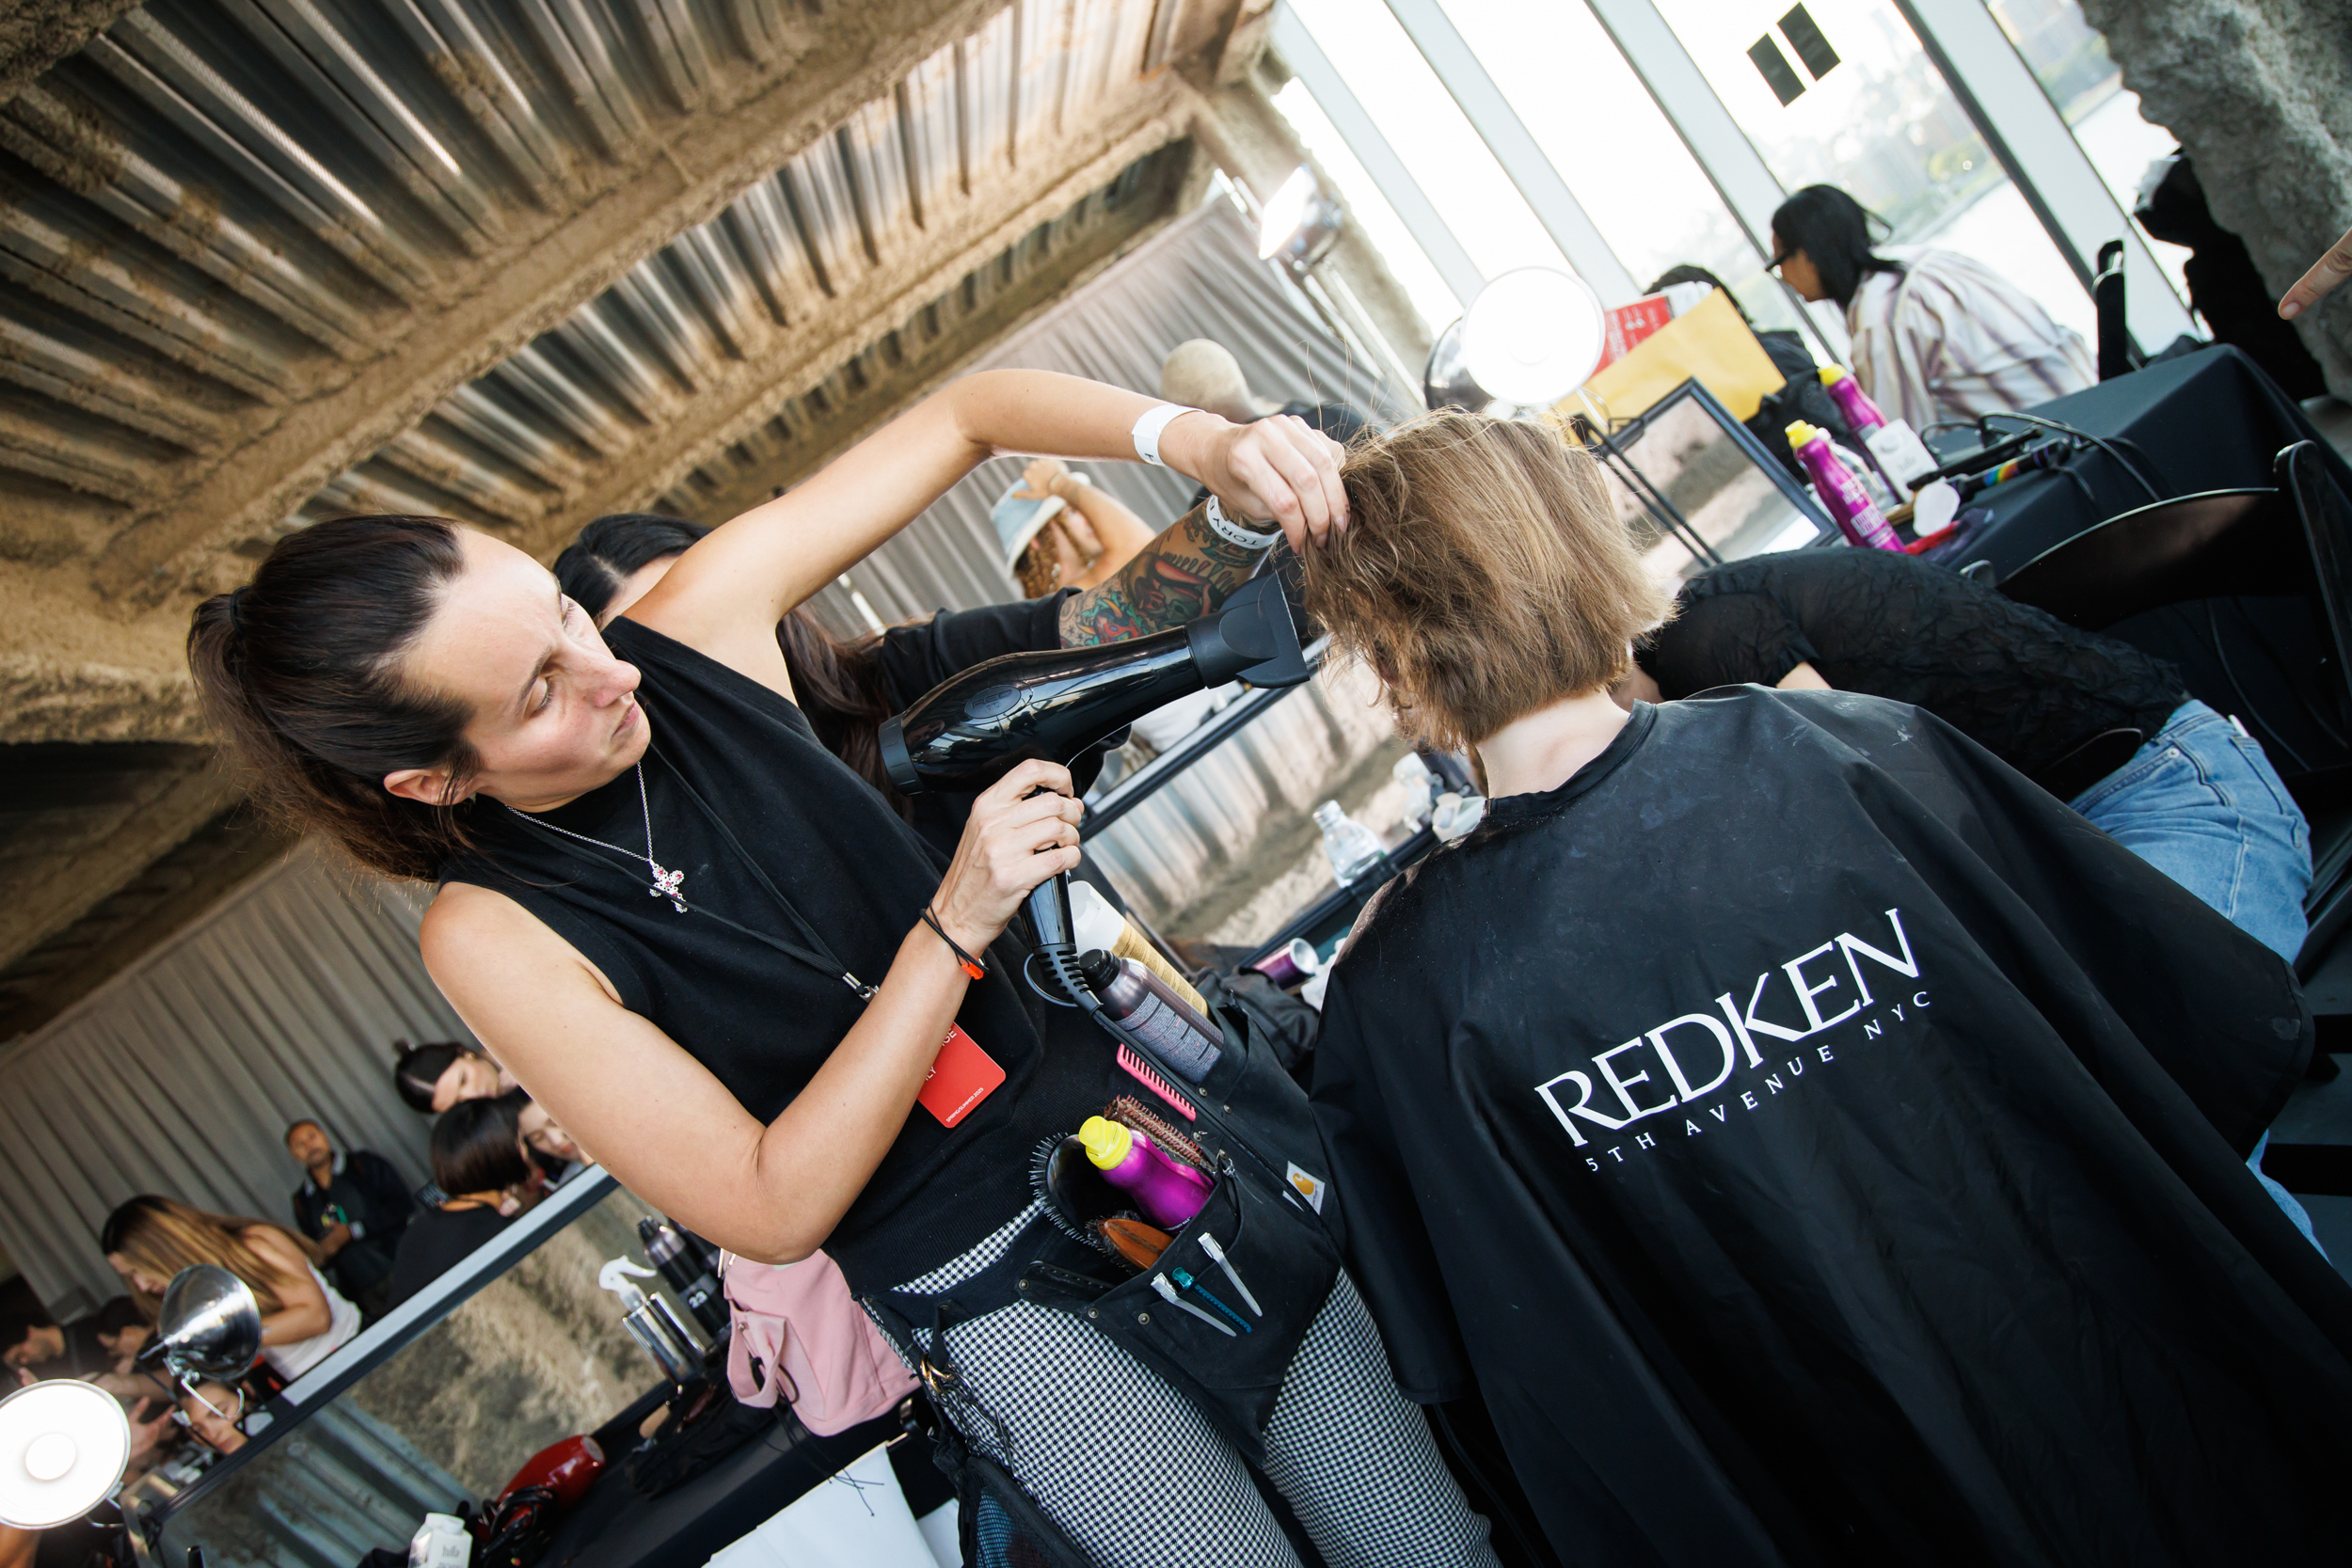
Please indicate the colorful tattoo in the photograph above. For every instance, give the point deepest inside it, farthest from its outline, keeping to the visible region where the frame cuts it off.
(1180, 575)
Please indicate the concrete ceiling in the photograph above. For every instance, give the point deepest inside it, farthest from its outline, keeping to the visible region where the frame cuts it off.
(518, 261)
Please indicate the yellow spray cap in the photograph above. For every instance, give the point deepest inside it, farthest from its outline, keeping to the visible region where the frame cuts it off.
(1107, 1141)
(1833, 374)
(1800, 432)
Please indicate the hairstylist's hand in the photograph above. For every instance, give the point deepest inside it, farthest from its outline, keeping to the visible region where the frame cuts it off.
(1014, 841)
(2329, 271)
(1280, 467)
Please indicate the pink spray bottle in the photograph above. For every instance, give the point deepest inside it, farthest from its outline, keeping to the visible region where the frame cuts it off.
(1893, 445)
(1857, 516)
(1169, 1193)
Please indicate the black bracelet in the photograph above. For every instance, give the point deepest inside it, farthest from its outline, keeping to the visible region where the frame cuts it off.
(971, 966)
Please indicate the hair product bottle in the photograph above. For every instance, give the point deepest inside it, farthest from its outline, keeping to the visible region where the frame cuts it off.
(1902, 456)
(1169, 1193)
(1857, 518)
(1184, 1040)
(682, 1263)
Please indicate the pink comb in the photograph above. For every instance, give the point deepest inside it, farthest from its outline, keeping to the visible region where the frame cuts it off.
(1143, 1073)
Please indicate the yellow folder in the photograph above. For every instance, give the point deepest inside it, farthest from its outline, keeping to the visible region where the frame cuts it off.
(1709, 342)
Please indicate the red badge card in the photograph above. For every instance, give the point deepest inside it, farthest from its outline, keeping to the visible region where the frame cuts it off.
(962, 1076)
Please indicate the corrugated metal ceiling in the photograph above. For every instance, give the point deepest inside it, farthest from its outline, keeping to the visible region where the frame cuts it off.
(217, 205)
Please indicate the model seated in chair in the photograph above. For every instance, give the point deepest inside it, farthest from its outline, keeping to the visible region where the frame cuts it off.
(1815, 1142)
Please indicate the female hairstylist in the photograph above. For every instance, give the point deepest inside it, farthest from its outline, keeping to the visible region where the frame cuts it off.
(724, 964)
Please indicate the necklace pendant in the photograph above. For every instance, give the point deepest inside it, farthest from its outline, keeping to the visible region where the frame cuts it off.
(666, 885)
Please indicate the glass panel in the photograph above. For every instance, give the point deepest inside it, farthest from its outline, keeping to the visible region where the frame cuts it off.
(1226, 854)
(2070, 59)
(1883, 124)
(1707, 476)
(1387, 232)
(1606, 136)
(1421, 120)
(536, 1355)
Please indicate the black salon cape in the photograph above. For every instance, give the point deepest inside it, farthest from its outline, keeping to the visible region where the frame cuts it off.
(1973, 1273)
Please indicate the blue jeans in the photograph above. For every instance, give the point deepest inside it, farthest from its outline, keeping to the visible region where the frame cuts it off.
(2202, 803)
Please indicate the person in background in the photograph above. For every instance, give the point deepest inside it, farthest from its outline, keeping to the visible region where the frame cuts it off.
(432, 1078)
(1088, 537)
(96, 1348)
(1937, 335)
(48, 1348)
(550, 1142)
(214, 1412)
(304, 1319)
(478, 1162)
(355, 1206)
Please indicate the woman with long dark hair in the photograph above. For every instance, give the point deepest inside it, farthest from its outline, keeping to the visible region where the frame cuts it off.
(1937, 335)
(718, 960)
(148, 1240)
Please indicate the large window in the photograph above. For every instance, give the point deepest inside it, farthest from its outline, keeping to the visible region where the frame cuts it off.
(2070, 59)
(1883, 124)
(1601, 128)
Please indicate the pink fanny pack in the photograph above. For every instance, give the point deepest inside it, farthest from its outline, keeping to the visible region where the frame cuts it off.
(799, 1332)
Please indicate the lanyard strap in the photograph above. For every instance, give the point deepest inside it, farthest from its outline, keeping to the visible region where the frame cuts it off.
(816, 954)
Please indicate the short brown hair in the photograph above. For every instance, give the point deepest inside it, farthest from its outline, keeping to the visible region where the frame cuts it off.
(1483, 573)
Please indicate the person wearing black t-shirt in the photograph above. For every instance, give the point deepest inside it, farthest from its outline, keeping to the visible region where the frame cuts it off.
(355, 1206)
(478, 1162)
(1816, 1142)
(2194, 795)
(725, 965)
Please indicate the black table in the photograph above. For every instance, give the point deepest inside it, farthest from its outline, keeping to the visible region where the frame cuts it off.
(2208, 420)
(613, 1527)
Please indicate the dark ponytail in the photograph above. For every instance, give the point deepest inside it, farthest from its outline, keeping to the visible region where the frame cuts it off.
(298, 673)
(1834, 232)
(416, 1069)
(839, 685)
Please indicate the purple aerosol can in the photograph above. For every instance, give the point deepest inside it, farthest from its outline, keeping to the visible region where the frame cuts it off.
(1858, 517)
(1168, 1193)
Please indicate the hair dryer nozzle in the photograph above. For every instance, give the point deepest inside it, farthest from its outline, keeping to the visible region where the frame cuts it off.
(1055, 703)
(1252, 638)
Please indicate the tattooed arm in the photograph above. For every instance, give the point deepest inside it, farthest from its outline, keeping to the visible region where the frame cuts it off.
(1181, 575)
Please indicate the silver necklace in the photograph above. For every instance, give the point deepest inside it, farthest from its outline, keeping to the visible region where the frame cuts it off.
(666, 884)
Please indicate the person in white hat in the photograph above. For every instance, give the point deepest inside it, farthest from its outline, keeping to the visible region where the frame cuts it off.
(1059, 531)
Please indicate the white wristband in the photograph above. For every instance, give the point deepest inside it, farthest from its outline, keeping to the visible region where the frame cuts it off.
(1234, 533)
(1147, 431)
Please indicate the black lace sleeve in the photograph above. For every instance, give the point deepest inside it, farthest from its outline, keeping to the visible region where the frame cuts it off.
(1726, 640)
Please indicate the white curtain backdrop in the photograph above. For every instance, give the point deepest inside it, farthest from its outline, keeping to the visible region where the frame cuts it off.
(180, 1074)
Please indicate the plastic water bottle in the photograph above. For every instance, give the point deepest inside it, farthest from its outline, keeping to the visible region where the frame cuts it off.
(1353, 847)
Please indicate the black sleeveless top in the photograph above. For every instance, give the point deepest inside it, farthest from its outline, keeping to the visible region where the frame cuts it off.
(764, 1024)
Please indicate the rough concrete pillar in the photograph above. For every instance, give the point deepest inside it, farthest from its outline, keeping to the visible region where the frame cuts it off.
(2256, 90)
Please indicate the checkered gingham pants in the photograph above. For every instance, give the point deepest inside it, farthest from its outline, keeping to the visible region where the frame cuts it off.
(1138, 1478)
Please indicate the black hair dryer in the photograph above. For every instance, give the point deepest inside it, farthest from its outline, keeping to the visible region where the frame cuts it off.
(1055, 703)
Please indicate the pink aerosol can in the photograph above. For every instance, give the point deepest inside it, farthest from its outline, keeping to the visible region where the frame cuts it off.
(1857, 516)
